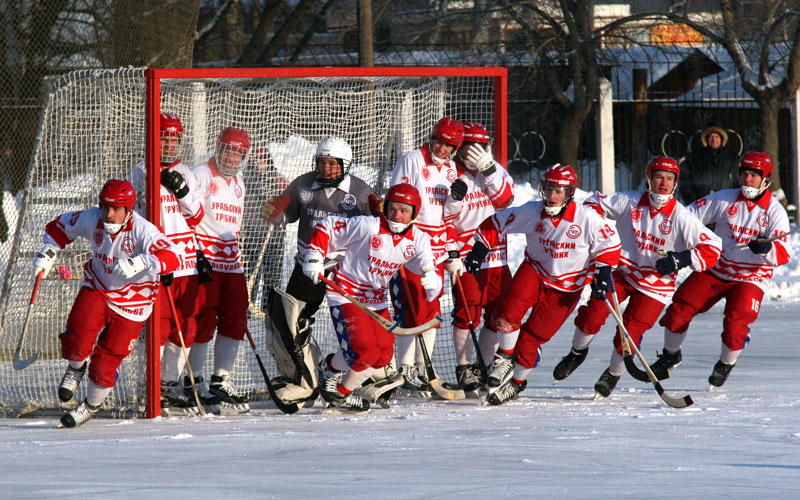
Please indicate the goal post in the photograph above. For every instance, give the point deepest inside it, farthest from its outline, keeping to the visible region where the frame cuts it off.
(99, 124)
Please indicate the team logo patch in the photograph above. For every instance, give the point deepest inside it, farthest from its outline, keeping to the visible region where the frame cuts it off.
(305, 195)
(213, 188)
(636, 214)
(98, 238)
(409, 252)
(349, 202)
(539, 228)
(426, 174)
(127, 245)
(763, 219)
(665, 227)
(732, 211)
(237, 190)
(451, 175)
(574, 231)
(376, 242)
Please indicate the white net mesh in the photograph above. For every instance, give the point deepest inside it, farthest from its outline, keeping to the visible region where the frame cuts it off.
(93, 128)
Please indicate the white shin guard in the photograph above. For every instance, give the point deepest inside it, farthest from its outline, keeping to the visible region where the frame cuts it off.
(617, 364)
(96, 394)
(172, 362)
(197, 358)
(673, 341)
(352, 380)
(580, 340)
(488, 344)
(463, 345)
(225, 351)
(507, 340)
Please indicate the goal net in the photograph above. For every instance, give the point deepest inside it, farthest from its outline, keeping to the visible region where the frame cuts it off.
(93, 128)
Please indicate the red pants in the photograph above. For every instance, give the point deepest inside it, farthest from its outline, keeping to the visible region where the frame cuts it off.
(425, 310)
(90, 315)
(701, 291)
(366, 344)
(223, 305)
(185, 290)
(549, 309)
(485, 290)
(639, 316)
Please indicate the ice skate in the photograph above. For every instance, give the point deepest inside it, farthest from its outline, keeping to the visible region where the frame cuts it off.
(666, 361)
(232, 402)
(175, 402)
(467, 380)
(605, 384)
(78, 416)
(501, 369)
(328, 380)
(569, 364)
(347, 404)
(70, 382)
(508, 391)
(720, 374)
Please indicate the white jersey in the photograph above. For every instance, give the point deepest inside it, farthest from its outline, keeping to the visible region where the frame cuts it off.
(131, 298)
(223, 207)
(374, 254)
(485, 196)
(644, 230)
(433, 183)
(177, 216)
(739, 221)
(563, 250)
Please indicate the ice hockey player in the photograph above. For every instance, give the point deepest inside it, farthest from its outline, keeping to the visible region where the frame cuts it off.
(179, 212)
(223, 301)
(746, 216)
(483, 187)
(648, 222)
(567, 244)
(120, 284)
(377, 247)
(328, 190)
(431, 170)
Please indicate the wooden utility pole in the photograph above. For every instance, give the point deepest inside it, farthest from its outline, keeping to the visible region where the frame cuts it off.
(366, 56)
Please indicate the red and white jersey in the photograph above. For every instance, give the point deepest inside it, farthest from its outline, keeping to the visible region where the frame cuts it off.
(223, 207)
(132, 298)
(644, 230)
(563, 250)
(177, 216)
(433, 183)
(485, 196)
(374, 254)
(739, 221)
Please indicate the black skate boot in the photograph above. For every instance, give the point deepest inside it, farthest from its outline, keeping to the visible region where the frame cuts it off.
(70, 382)
(508, 391)
(606, 383)
(222, 387)
(210, 401)
(665, 362)
(174, 401)
(79, 415)
(348, 404)
(466, 378)
(328, 380)
(569, 363)
(501, 367)
(720, 373)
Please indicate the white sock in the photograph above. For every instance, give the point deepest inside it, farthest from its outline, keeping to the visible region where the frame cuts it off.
(429, 337)
(172, 362)
(77, 365)
(617, 364)
(520, 372)
(225, 351)
(673, 341)
(729, 356)
(488, 343)
(338, 362)
(463, 346)
(197, 358)
(406, 349)
(507, 340)
(352, 380)
(580, 340)
(96, 394)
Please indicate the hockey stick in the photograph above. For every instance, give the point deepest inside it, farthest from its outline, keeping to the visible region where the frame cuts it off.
(627, 354)
(391, 327)
(279, 403)
(19, 363)
(673, 402)
(200, 406)
(254, 277)
(481, 362)
(442, 391)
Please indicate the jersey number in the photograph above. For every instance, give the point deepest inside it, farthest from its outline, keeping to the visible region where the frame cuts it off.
(755, 304)
(607, 232)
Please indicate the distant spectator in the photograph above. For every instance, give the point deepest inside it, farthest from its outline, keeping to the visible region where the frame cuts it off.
(708, 168)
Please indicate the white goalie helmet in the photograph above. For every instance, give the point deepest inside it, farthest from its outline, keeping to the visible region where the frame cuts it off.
(337, 148)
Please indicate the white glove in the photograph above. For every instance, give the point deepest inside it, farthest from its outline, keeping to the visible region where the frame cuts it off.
(453, 264)
(432, 284)
(312, 267)
(478, 158)
(44, 261)
(129, 266)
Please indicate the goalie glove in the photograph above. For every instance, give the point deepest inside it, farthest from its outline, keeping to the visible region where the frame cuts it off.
(453, 264)
(432, 284)
(601, 282)
(473, 260)
(759, 246)
(129, 266)
(479, 159)
(375, 205)
(312, 267)
(204, 268)
(175, 182)
(274, 207)
(44, 261)
(458, 190)
(673, 262)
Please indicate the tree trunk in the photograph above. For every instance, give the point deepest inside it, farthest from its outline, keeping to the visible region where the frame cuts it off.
(769, 135)
(569, 135)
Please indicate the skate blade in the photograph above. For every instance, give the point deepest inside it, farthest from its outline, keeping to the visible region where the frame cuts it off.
(232, 409)
(179, 412)
(599, 397)
(341, 412)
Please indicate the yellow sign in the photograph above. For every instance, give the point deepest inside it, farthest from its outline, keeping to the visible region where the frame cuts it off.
(674, 34)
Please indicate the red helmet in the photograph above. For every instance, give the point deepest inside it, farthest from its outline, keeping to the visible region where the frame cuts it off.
(403, 193)
(758, 161)
(231, 140)
(449, 131)
(475, 132)
(117, 193)
(662, 164)
(562, 176)
(171, 125)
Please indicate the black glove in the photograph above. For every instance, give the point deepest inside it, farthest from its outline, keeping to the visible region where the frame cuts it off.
(758, 245)
(472, 262)
(458, 190)
(601, 282)
(673, 262)
(204, 269)
(174, 181)
(166, 279)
